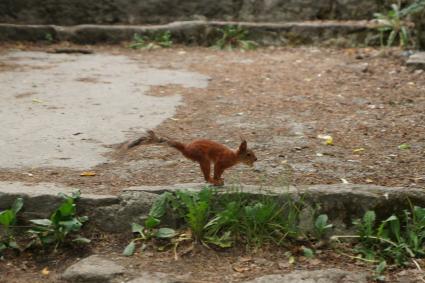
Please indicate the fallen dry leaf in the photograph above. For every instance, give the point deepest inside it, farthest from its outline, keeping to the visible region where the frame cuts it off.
(240, 269)
(36, 100)
(88, 174)
(357, 150)
(45, 271)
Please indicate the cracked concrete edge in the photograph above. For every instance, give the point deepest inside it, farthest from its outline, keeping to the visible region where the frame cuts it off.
(341, 202)
(199, 32)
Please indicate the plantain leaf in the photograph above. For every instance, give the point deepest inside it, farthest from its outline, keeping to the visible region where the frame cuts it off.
(165, 233)
(129, 249)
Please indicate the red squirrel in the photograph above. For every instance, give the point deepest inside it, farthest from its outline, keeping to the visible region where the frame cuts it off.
(206, 152)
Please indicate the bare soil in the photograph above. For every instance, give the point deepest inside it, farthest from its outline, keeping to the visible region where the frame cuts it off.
(193, 263)
(280, 100)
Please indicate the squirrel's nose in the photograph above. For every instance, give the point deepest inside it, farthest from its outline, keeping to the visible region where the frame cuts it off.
(255, 159)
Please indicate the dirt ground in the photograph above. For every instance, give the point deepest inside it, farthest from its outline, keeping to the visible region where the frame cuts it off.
(198, 265)
(280, 100)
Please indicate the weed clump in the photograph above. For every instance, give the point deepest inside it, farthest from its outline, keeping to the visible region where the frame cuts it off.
(154, 41)
(234, 37)
(225, 219)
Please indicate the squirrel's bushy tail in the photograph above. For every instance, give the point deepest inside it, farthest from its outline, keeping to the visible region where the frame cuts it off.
(152, 138)
(177, 145)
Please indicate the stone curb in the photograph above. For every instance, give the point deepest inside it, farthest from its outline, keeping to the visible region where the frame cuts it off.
(341, 202)
(417, 61)
(199, 32)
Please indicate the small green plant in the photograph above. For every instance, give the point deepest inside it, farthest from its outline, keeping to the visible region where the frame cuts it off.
(149, 230)
(198, 207)
(396, 239)
(379, 271)
(7, 220)
(308, 252)
(234, 37)
(321, 226)
(394, 24)
(48, 37)
(62, 223)
(220, 219)
(155, 41)
(264, 221)
(145, 234)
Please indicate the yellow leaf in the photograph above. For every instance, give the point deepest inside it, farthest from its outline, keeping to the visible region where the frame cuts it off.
(328, 139)
(36, 100)
(88, 174)
(45, 271)
(357, 150)
(240, 269)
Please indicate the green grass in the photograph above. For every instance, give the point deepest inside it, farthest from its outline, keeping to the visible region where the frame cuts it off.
(398, 239)
(394, 24)
(224, 219)
(153, 41)
(234, 37)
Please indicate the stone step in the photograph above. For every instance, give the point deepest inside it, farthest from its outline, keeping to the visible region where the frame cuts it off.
(417, 61)
(70, 12)
(347, 33)
(341, 202)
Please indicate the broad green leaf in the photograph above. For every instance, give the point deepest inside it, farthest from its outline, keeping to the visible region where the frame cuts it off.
(391, 38)
(7, 217)
(71, 225)
(129, 250)
(395, 226)
(81, 240)
(17, 205)
(13, 245)
(151, 222)
(321, 221)
(404, 37)
(158, 208)
(2, 247)
(413, 240)
(46, 240)
(308, 252)
(369, 221)
(395, 10)
(136, 228)
(419, 216)
(67, 208)
(165, 233)
(225, 241)
(42, 222)
(381, 267)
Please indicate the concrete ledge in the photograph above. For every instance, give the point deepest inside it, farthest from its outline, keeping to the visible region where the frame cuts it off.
(199, 32)
(417, 61)
(42, 199)
(342, 202)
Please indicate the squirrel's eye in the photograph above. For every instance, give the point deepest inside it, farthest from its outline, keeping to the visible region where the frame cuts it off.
(249, 154)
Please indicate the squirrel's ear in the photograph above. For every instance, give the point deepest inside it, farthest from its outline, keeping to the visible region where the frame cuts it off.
(243, 146)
